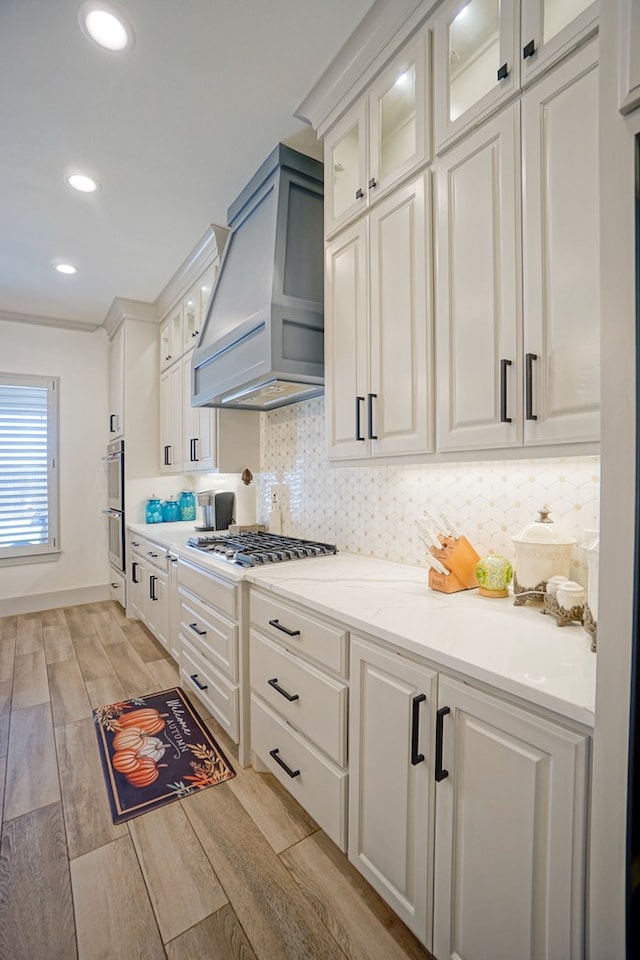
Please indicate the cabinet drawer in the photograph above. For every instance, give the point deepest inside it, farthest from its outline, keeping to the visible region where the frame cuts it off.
(320, 708)
(299, 631)
(216, 592)
(152, 553)
(211, 634)
(320, 787)
(218, 695)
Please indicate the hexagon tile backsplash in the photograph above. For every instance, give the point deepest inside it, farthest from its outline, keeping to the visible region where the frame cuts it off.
(371, 509)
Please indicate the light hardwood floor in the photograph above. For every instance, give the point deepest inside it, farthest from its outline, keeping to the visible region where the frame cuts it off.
(236, 871)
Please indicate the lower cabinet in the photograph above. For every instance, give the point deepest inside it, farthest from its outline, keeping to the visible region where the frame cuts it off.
(470, 804)
(149, 593)
(392, 788)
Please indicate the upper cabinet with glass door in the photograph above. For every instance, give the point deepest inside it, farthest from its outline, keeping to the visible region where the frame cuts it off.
(195, 306)
(382, 138)
(485, 50)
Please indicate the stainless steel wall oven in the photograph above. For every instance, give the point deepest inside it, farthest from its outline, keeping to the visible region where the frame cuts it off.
(115, 502)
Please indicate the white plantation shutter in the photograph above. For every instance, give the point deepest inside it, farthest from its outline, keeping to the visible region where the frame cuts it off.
(28, 466)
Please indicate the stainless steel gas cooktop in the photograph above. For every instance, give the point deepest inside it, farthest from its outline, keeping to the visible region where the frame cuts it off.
(257, 549)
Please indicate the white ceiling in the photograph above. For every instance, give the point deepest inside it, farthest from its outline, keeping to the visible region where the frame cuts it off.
(172, 130)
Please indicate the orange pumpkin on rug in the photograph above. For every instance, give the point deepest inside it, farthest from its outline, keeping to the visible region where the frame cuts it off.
(146, 719)
(145, 774)
(125, 761)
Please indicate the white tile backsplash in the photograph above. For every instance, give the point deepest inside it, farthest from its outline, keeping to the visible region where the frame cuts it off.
(371, 509)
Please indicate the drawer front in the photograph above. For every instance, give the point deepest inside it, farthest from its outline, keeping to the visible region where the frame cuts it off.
(320, 786)
(218, 695)
(155, 555)
(299, 631)
(212, 590)
(319, 710)
(212, 635)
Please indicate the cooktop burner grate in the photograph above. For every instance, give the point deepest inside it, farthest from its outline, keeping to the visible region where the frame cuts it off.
(257, 549)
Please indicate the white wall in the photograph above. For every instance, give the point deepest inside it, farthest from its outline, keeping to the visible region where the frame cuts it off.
(80, 360)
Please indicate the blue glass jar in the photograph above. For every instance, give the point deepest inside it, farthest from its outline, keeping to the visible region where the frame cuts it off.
(170, 510)
(187, 504)
(153, 513)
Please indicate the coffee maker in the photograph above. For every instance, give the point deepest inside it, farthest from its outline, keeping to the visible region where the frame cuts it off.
(216, 510)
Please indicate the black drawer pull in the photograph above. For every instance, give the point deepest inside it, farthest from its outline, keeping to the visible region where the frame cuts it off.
(416, 757)
(194, 627)
(372, 183)
(441, 773)
(503, 72)
(370, 398)
(152, 588)
(359, 194)
(529, 49)
(359, 400)
(150, 553)
(504, 364)
(528, 383)
(288, 696)
(278, 626)
(200, 686)
(274, 753)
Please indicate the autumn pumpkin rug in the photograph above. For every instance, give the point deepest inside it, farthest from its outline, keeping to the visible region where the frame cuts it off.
(156, 749)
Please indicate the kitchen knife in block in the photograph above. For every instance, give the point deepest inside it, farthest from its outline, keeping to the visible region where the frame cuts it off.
(461, 559)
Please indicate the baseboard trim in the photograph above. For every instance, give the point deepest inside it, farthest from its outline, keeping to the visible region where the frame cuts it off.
(10, 606)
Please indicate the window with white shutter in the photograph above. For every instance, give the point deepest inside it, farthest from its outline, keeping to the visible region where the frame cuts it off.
(28, 467)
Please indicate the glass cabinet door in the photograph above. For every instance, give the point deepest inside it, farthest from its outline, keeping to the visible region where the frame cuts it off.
(345, 167)
(476, 63)
(550, 28)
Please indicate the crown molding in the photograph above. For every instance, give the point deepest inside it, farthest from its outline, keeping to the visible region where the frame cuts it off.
(386, 26)
(65, 324)
(122, 309)
(210, 246)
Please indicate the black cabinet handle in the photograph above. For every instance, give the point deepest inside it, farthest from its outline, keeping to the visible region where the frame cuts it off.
(195, 333)
(200, 686)
(134, 572)
(528, 393)
(416, 757)
(370, 398)
(504, 364)
(167, 456)
(359, 400)
(279, 626)
(195, 628)
(372, 183)
(503, 72)
(194, 449)
(152, 588)
(529, 49)
(112, 418)
(359, 194)
(150, 553)
(274, 753)
(288, 696)
(441, 773)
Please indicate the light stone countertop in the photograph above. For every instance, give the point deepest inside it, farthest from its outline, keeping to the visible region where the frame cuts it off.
(513, 649)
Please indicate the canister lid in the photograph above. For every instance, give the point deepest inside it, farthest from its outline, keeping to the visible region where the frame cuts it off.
(543, 530)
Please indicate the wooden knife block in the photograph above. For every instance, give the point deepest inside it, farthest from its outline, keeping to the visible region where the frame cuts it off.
(461, 559)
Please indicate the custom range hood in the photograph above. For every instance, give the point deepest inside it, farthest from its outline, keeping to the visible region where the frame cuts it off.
(262, 341)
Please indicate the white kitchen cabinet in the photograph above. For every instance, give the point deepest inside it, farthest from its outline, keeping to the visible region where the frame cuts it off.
(171, 413)
(378, 330)
(629, 80)
(116, 384)
(194, 306)
(510, 827)
(520, 363)
(478, 314)
(382, 138)
(149, 596)
(117, 587)
(198, 427)
(171, 337)
(485, 50)
(392, 787)
(299, 706)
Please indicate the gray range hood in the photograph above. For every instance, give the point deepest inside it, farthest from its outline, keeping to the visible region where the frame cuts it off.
(262, 341)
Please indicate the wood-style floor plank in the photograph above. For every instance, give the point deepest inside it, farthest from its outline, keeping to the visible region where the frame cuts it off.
(30, 683)
(58, 644)
(357, 917)
(8, 628)
(113, 912)
(280, 818)
(219, 937)
(130, 669)
(3, 770)
(92, 657)
(69, 700)
(54, 617)
(32, 771)
(107, 628)
(105, 690)
(78, 621)
(5, 716)
(85, 801)
(29, 634)
(146, 646)
(7, 654)
(267, 901)
(165, 672)
(36, 911)
(167, 846)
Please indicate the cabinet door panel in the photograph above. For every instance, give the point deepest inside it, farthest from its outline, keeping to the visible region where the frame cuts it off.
(510, 829)
(401, 333)
(561, 251)
(346, 345)
(199, 428)
(345, 159)
(552, 27)
(390, 838)
(478, 304)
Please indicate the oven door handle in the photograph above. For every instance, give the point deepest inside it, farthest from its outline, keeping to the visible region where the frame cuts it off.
(113, 513)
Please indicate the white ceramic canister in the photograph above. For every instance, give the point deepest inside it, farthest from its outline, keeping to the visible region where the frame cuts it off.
(554, 582)
(570, 594)
(542, 551)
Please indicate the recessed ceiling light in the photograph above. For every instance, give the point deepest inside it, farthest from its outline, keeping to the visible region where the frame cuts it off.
(83, 183)
(66, 268)
(105, 27)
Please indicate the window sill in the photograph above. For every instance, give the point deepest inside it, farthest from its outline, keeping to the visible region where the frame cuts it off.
(48, 557)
